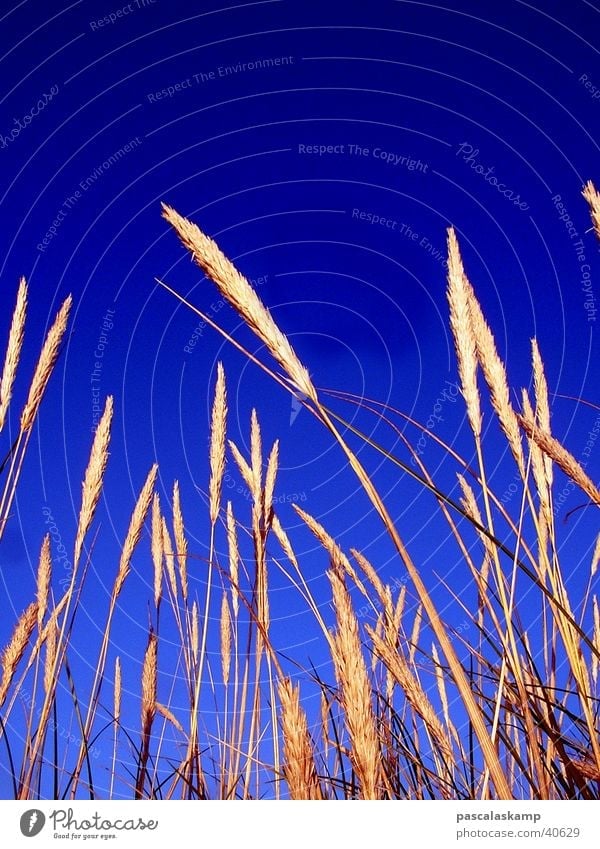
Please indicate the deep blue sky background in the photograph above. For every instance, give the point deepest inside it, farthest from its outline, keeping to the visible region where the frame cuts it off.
(364, 304)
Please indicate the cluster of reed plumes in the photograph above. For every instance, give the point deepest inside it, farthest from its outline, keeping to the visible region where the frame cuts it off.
(403, 715)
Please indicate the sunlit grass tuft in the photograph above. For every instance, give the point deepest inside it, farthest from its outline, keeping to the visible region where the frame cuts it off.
(414, 709)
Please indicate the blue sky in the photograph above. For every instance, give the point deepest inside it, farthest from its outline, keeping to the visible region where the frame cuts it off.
(327, 147)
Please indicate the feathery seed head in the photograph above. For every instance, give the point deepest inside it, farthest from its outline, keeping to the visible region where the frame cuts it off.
(593, 199)
(43, 579)
(563, 459)
(94, 476)
(458, 292)
(135, 529)
(239, 293)
(234, 558)
(13, 350)
(157, 548)
(217, 443)
(180, 540)
(45, 364)
(15, 650)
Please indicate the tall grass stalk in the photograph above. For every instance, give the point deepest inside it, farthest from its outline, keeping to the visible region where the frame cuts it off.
(410, 707)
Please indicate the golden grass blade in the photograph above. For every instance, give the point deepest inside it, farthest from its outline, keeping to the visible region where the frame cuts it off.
(117, 691)
(170, 716)
(243, 466)
(41, 377)
(234, 559)
(284, 542)
(441, 684)
(134, 531)
(44, 576)
(180, 541)
(149, 679)
(225, 639)
(595, 557)
(270, 478)
(255, 455)
(45, 364)
(352, 676)
(593, 199)
(541, 401)
(470, 327)
(94, 477)
(495, 377)
(410, 685)
(15, 649)
(416, 630)
(149, 707)
(481, 732)
(217, 443)
(462, 330)
(372, 575)
(195, 639)
(239, 293)
(338, 558)
(51, 645)
(324, 705)
(471, 508)
(596, 641)
(399, 609)
(13, 350)
(299, 765)
(157, 549)
(243, 298)
(169, 560)
(304, 588)
(263, 615)
(563, 459)
(117, 688)
(132, 539)
(540, 463)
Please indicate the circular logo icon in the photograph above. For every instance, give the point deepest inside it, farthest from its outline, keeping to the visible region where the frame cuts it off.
(32, 822)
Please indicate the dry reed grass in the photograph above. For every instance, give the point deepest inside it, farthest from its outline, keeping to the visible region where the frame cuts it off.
(238, 292)
(180, 541)
(552, 448)
(94, 476)
(14, 651)
(45, 364)
(148, 709)
(44, 577)
(236, 289)
(388, 728)
(234, 559)
(461, 322)
(299, 767)
(217, 444)
(134, 532)
(13, 351)
(157, 549)
(355, 692)
(225, 639)
(592, 196)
